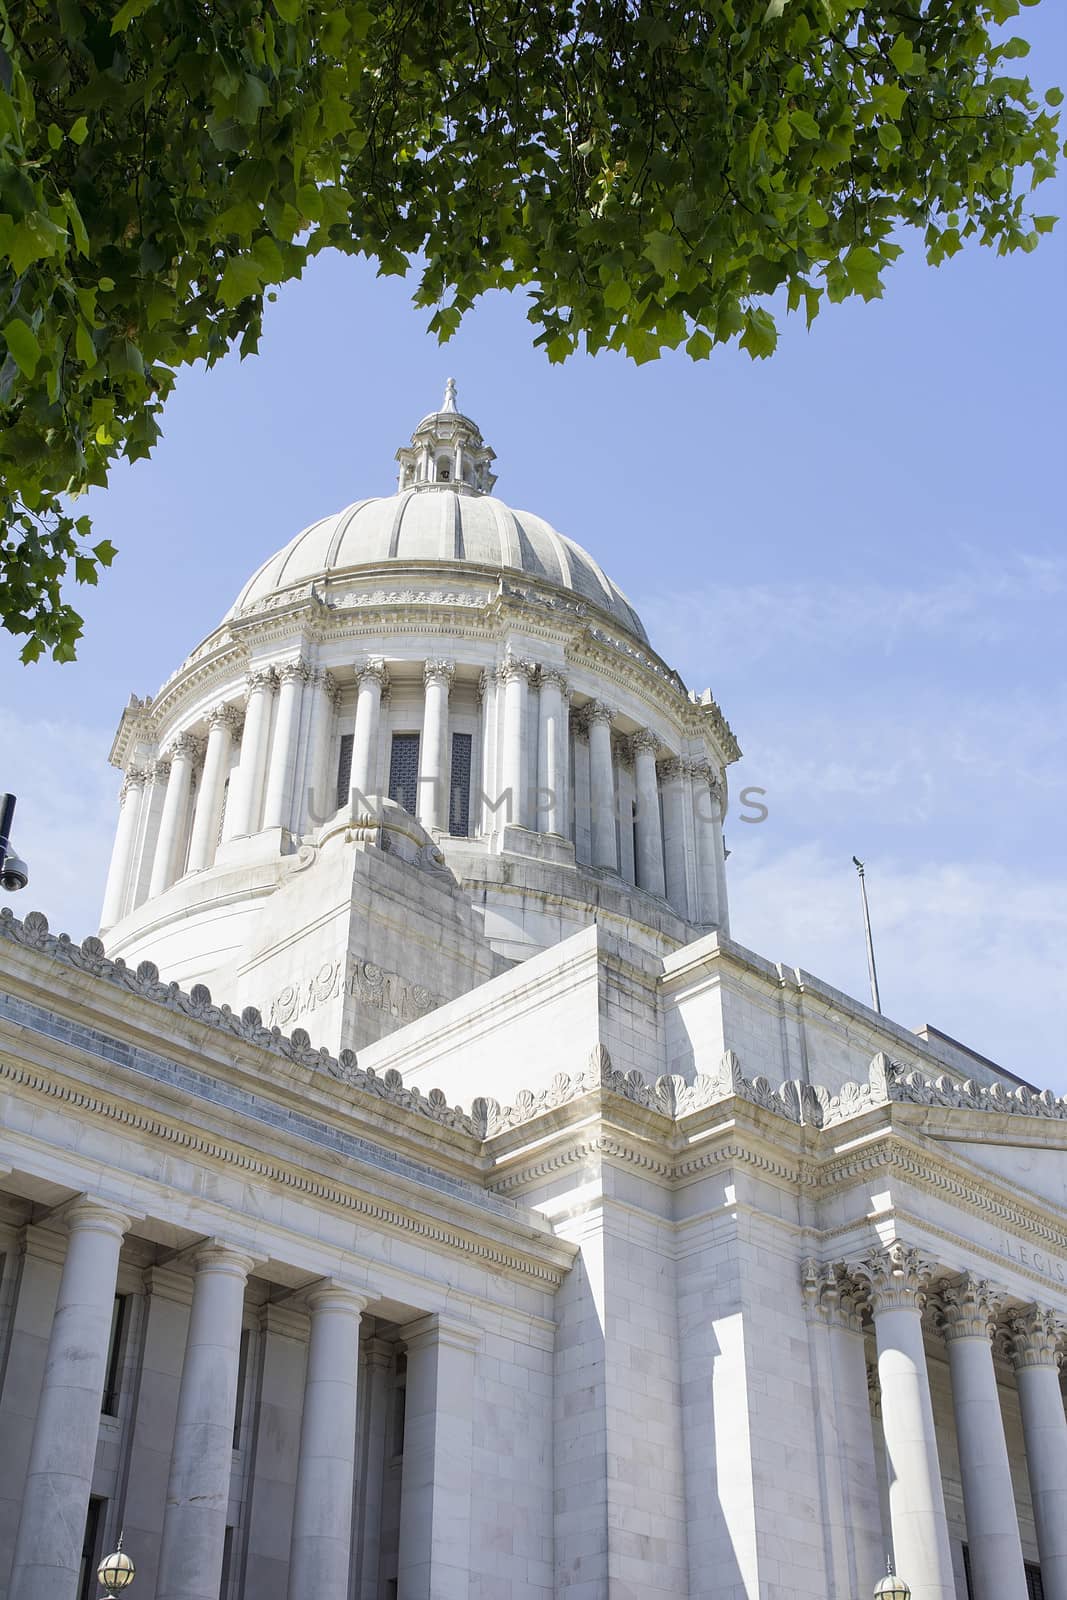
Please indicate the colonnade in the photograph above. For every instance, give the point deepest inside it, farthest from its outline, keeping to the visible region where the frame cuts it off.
(435, 1486)
(897, 1285)
(633, 809)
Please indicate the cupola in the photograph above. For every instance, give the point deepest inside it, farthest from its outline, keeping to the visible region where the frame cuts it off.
(447, 451)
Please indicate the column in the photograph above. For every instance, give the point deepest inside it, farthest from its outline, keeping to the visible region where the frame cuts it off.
(223, 724)
(671, 776)
(487, 693)
(198, 1490)
(1037, 1340)
(319, 801)
(625, 806)
(551, 751)
(48, 1544)
(706, 821)
(853, 1513)
(321, 1548)
(967, 1308)
(246, 780)
(166, 866)
(896, 1279)
(151, 812)
(378, 1366)
(515, 783)
(281, 771)
(371, 679)
(435, 1490)
(432, 808)
(602, 787)
(581, 809)
(718, 845)
(118, 877)
(648, 826)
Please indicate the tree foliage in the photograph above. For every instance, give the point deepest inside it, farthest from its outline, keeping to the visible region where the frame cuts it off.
(654, 173)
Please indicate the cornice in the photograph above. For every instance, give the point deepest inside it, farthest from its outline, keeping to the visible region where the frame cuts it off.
(230, 1153)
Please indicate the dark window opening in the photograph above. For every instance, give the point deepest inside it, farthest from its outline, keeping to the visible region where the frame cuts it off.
(113, 1373)
(1034, 1587)
(344, 768)
(459, 808)
(404, 771)
(242, 1379)
(90, 1552)
(227, 1561)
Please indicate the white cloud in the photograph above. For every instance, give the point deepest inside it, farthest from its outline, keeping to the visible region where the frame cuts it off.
(65, 819)
(973, 949)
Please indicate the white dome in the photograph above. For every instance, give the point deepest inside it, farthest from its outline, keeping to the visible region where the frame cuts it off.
(434, 524)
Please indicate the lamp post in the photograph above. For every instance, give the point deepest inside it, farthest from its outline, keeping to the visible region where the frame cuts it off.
(891, 1587)
(116, 1572)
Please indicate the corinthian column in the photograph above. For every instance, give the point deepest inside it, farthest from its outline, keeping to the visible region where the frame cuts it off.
(223, 724)
(246, 782)
(432, 807)
(281, 772)
(552, 751)
(1038, 1338)
(966, 1310)
(896, 1280)
(515, 676)
(321, 1549)
(55, 1501)
(650, 873)
(672, 777)
(118, 877)
(371, 679)
(183, 753)
(320, 798)
(605, 845)
(198, 1490)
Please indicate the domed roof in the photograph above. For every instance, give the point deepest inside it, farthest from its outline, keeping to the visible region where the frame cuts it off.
(442, 514)
(418, 527)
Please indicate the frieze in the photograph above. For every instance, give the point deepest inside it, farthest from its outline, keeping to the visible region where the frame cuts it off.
(384, 991)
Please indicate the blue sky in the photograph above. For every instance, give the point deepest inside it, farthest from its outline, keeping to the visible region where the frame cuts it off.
(858, 544)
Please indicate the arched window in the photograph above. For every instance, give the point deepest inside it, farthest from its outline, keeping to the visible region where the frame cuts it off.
(444, 469)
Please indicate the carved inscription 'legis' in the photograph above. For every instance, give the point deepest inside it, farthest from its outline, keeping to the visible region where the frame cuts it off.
(384, 991)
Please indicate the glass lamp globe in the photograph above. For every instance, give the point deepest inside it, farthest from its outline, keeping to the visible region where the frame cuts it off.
(891, 1587)
(116, 1571)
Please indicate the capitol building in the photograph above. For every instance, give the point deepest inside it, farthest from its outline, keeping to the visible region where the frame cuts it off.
(414, 1193)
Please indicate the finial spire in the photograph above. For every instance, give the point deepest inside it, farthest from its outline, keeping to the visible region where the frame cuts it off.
(450, 396)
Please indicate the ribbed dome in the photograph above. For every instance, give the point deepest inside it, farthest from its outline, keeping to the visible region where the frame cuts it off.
(434, 523)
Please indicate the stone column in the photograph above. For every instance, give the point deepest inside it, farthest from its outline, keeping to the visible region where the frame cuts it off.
(1038, 1338)
(672, 775)
(718, 846)
(515, 676)
(319, 800)
(246, 782)
(165, 864)
(223, 724)
(118, 877)
(605, 852)
(707, 821)
(432, 806)
(379, 1364)
(551, 751)
(650, 874)
(198, 1490)
(435, 1490)
(853, 1515)
(48, 1544)
(966, 1310)
(281, 772)
(151, 812)
(371, 679)
(321, 1549)
(896, 1279)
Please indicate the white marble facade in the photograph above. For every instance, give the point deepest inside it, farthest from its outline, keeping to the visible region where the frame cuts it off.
(492, 1226)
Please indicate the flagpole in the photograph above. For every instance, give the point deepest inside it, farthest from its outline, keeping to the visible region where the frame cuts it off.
(875, 999)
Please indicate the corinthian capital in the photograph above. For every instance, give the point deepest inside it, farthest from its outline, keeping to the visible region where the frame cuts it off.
(294, 671)
(672, 768)
(597, 711)
(1037, 1337)
(261, 678)
(894, 1277)
(829, 1291)
(225, 716)
(438, 672)
(644, 739)
(159, 769)
(186, 747)
(513, 667)
(553, 676)
(135, 778)
(373, 671)
(967, 1307)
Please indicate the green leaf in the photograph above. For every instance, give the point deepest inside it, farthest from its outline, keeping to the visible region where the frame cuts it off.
(129, 13)
(79, 130)
(1053, 97)
(805, 124)
(901, 53)
(889, 136)
(23, 344)
(240, 279)
(699, 346)
(288, 10)
(105, 552)
(760, 336)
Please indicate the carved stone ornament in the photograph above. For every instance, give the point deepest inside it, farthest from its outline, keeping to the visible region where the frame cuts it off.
(136, 778)
(513, 667)
(482, 686)
(644, 739)
(186, 747)
(874, 1390)
(967, 1307)
(330, 688)
(294, 671)
(830, 1292)
(261, 678)
(373, 671)
(1038, 1337)
(159, 771)
(553, 675)
(578, 726)
(597, 711)
(672, 768)
(893, 1278)
(438, 672)
(225, 716)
